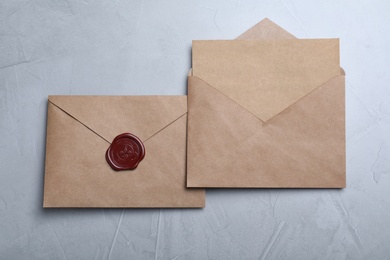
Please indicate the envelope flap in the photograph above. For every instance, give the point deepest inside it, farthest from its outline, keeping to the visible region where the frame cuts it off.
(267, 76)
(109, 116)
(265, 29)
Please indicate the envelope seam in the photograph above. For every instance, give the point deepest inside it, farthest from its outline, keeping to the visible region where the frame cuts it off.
(264, 122)
(79, 121)
(229, 98)
(165, 127)
(321, 85)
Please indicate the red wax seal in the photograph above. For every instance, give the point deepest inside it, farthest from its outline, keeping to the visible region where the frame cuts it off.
(125, 152)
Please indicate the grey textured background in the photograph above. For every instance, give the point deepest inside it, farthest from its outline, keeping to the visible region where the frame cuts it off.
(143, 47)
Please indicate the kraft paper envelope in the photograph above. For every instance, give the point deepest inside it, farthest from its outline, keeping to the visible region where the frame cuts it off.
(266, 112)
(79, 131)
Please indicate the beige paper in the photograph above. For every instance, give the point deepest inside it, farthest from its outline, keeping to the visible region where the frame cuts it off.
(269, 113)
(79, 131)
(266, 77)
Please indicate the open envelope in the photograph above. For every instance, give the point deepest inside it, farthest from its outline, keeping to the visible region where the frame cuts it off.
(266, 112)
(79, 131)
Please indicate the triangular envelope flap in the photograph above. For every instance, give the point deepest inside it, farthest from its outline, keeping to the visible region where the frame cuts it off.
(265, 29)
(109, 116)
(266, 76)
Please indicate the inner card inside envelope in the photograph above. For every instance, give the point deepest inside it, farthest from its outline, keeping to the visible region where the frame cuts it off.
(266, 113)
(266, 77)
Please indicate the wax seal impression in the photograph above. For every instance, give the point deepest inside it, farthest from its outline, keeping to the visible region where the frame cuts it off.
(125, 152)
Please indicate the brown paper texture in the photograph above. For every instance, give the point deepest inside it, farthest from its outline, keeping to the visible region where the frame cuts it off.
(267, 113)
(266, 77)
(79, 131)
(265, 30)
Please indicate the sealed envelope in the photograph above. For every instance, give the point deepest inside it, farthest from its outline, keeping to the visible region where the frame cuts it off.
(266, 110)
(117, 151)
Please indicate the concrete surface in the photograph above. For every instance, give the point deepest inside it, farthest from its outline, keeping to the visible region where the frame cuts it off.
(143, 47)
